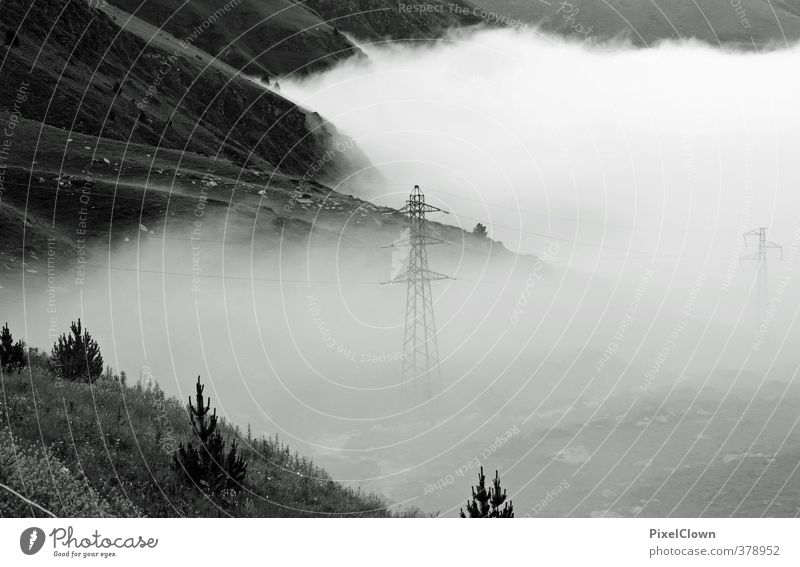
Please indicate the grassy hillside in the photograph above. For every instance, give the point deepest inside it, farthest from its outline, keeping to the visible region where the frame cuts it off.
(104, 449)
(263, 37)
(86, 75)
(384, 19)
(276, 37)
(744, 24)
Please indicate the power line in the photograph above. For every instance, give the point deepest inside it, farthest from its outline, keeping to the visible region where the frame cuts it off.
(498, 225)
(279, 280)
(231, 277)
(217, 241)
(561, 239)
(547, 214)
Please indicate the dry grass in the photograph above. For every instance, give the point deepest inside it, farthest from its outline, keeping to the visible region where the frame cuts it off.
(105, 450)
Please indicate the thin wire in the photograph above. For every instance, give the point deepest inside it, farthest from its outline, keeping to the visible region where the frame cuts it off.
(231, 277)
(214, 241)
(561, 239)
(522, 231)
(490, 205)
(278, 280)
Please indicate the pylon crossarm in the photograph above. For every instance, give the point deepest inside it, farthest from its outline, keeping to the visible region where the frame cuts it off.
(424, 240)
(438, 276)
(431, 209)
(425, 207)
(405, 279)
(434, 240)
(770, 244)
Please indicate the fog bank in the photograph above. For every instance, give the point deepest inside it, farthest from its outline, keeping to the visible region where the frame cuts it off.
(662, 151)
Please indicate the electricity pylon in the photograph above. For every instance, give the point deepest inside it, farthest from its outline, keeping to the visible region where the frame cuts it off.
(420, 366)
(761, 257)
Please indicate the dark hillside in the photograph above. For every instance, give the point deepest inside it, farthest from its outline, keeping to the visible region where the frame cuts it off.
(88, 76)
(276, 37)
(384, 19)
(260, 37)
(741, 24)
(133, 192)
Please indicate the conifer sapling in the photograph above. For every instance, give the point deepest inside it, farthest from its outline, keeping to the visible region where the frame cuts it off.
(78, 355)
(208, 466)
(488, 503)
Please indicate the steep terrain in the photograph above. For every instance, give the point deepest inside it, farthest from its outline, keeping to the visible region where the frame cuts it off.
(137, 126)
(260, 37)
(63, 192)
(88, 76)
(80, 450)
(277, 37)
(747, 24)
(384, 19)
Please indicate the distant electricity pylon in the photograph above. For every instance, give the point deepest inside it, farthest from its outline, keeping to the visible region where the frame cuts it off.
(761, 257)
(420, 366)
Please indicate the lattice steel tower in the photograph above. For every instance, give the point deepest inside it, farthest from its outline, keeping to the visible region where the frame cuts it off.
(420, 367)
(761, 257)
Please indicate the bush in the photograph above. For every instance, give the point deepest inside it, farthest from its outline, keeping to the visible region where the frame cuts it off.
(41, 478)
(12, 355)
(480, 230)
(77, 356)
(110, 448)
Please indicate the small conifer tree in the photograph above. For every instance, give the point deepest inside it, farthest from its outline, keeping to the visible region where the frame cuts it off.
(207, 465)
(488, 503)
(6, 346)
(77, 355)
(13, 356)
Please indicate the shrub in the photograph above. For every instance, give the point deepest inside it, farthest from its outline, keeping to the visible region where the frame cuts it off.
(12, 355)
(207, 466)
(487, 504)
(480, 230)
(77, 355)
(41, 478)
(120, 441)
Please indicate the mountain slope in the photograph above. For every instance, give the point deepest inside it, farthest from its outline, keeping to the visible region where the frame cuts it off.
(277, 37)
(88, 76)
(105, 450)
(260, 37)
(745, 24)
(45, 187)
(385, 19)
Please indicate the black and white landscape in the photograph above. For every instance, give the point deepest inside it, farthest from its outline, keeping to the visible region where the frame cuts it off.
(605, 314)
